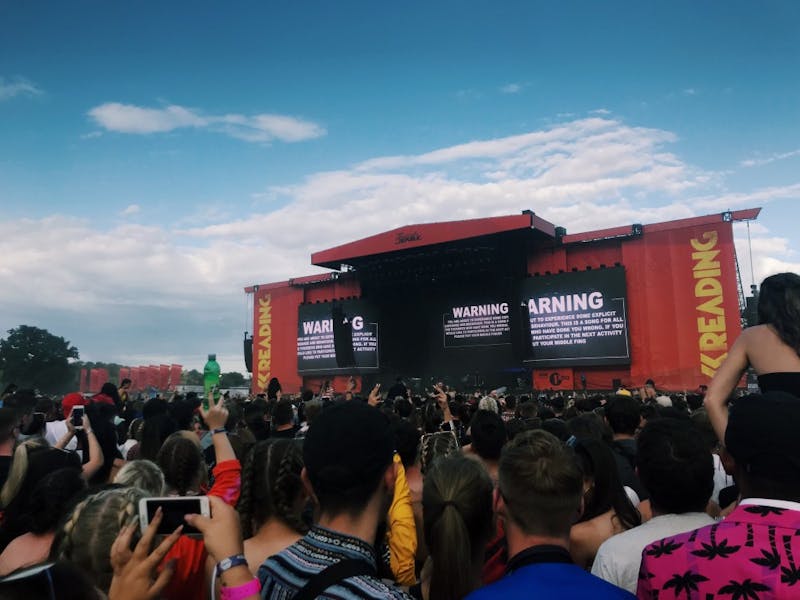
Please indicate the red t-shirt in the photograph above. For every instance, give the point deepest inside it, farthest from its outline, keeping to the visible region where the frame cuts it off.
(189, 578)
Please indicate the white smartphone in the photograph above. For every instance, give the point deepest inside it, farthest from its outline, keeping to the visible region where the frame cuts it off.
(77, 417)
(175, 508)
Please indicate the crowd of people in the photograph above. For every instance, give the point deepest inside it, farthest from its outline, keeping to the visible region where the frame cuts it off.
(438, 496)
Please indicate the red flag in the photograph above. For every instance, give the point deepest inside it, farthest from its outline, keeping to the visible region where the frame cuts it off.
(175, 372)
(152, 376)
(163, 377)
(94, 380)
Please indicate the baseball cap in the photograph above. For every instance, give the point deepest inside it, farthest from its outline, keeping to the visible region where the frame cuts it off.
(762, 434)
(71, 400)
(348, 444)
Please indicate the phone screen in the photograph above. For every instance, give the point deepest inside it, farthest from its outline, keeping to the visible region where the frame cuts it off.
(174, 511)
(77, 416)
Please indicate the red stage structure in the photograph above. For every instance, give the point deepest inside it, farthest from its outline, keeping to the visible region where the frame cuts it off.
(677, 311)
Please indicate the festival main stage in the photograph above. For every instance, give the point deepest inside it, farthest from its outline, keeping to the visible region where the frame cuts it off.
(508, 301)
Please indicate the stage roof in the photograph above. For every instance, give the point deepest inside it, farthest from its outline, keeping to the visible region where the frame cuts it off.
(485, 246)
(404, 240)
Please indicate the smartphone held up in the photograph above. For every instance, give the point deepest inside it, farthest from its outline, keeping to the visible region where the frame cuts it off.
(174, 509)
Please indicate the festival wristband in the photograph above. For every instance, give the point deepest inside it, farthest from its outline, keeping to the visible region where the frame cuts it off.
(219, 430)
(240, 592)
(228, 563)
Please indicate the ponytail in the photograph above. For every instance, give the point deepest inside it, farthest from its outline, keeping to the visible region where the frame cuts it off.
(450, 549)
(457, 515)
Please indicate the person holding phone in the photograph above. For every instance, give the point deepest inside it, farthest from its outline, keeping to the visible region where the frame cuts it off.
(181, 460)
(55, 430)
(79, 422)
(136, 572)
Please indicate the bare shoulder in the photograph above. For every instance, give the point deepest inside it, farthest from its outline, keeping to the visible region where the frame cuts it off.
(767, 352)
(758, 332)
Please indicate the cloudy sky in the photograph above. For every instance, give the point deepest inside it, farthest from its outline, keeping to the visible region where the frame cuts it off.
(156, 157)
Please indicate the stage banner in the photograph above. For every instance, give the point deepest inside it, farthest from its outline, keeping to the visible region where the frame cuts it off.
(175, 372)
(553, 379)
(684, 308)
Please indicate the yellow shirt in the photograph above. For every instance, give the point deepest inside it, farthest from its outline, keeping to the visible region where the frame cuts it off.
(402, 532)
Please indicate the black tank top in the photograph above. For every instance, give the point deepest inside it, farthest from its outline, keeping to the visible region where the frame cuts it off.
(788, 382)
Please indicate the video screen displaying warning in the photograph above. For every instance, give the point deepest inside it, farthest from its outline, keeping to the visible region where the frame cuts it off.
(337, 337)
(577, 318)
(467, 325)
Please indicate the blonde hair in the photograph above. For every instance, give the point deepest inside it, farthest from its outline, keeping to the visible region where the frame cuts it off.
(144, 474)
(19, 469)
(489, 403)
(86, 537)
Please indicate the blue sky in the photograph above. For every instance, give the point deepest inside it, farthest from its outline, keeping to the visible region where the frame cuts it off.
(156, 157)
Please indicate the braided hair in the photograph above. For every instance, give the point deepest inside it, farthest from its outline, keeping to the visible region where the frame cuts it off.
(86, 536)
(435, 446)
(271, 486)
(181, 461)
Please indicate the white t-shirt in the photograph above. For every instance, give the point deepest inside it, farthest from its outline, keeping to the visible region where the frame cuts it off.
(619, 557)
(55, 430)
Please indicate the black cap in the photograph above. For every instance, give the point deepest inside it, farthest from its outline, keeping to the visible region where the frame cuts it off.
(347, 444)
(762, 434)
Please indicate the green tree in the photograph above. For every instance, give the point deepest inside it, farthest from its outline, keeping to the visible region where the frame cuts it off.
(193, 377)
(35, 358)
(232, 380)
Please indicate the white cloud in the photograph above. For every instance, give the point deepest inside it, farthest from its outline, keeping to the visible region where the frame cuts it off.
(689, 92)
(131, 209)
(468, 94)
(175, 290)
(732, 200)
(600, 111)
(765, 160)
(18, 87)
(91, 135)
(129, 118)
(771, 254)
(511, 88)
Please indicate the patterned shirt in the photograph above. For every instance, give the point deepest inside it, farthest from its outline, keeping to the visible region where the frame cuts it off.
(284, 574)
(753, 554)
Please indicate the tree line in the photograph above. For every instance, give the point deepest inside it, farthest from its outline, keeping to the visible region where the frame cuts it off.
(31, 357)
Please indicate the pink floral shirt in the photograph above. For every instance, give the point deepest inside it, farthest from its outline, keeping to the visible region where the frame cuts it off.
(754, 554)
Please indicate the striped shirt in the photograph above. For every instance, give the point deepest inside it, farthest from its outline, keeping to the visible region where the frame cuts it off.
(284, 574)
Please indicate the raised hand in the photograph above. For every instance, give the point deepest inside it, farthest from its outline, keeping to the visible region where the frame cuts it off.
(375, 395)
(221, 531)
(135, 573)
(216, 415)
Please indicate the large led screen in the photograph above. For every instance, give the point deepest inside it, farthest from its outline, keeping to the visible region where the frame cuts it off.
(577, 318)
(334, 337)
(465, 324)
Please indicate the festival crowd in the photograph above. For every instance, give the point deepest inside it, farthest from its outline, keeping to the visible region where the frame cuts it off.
(443, 495)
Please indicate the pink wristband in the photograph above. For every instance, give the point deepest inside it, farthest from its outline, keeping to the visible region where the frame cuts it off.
(240, 592)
